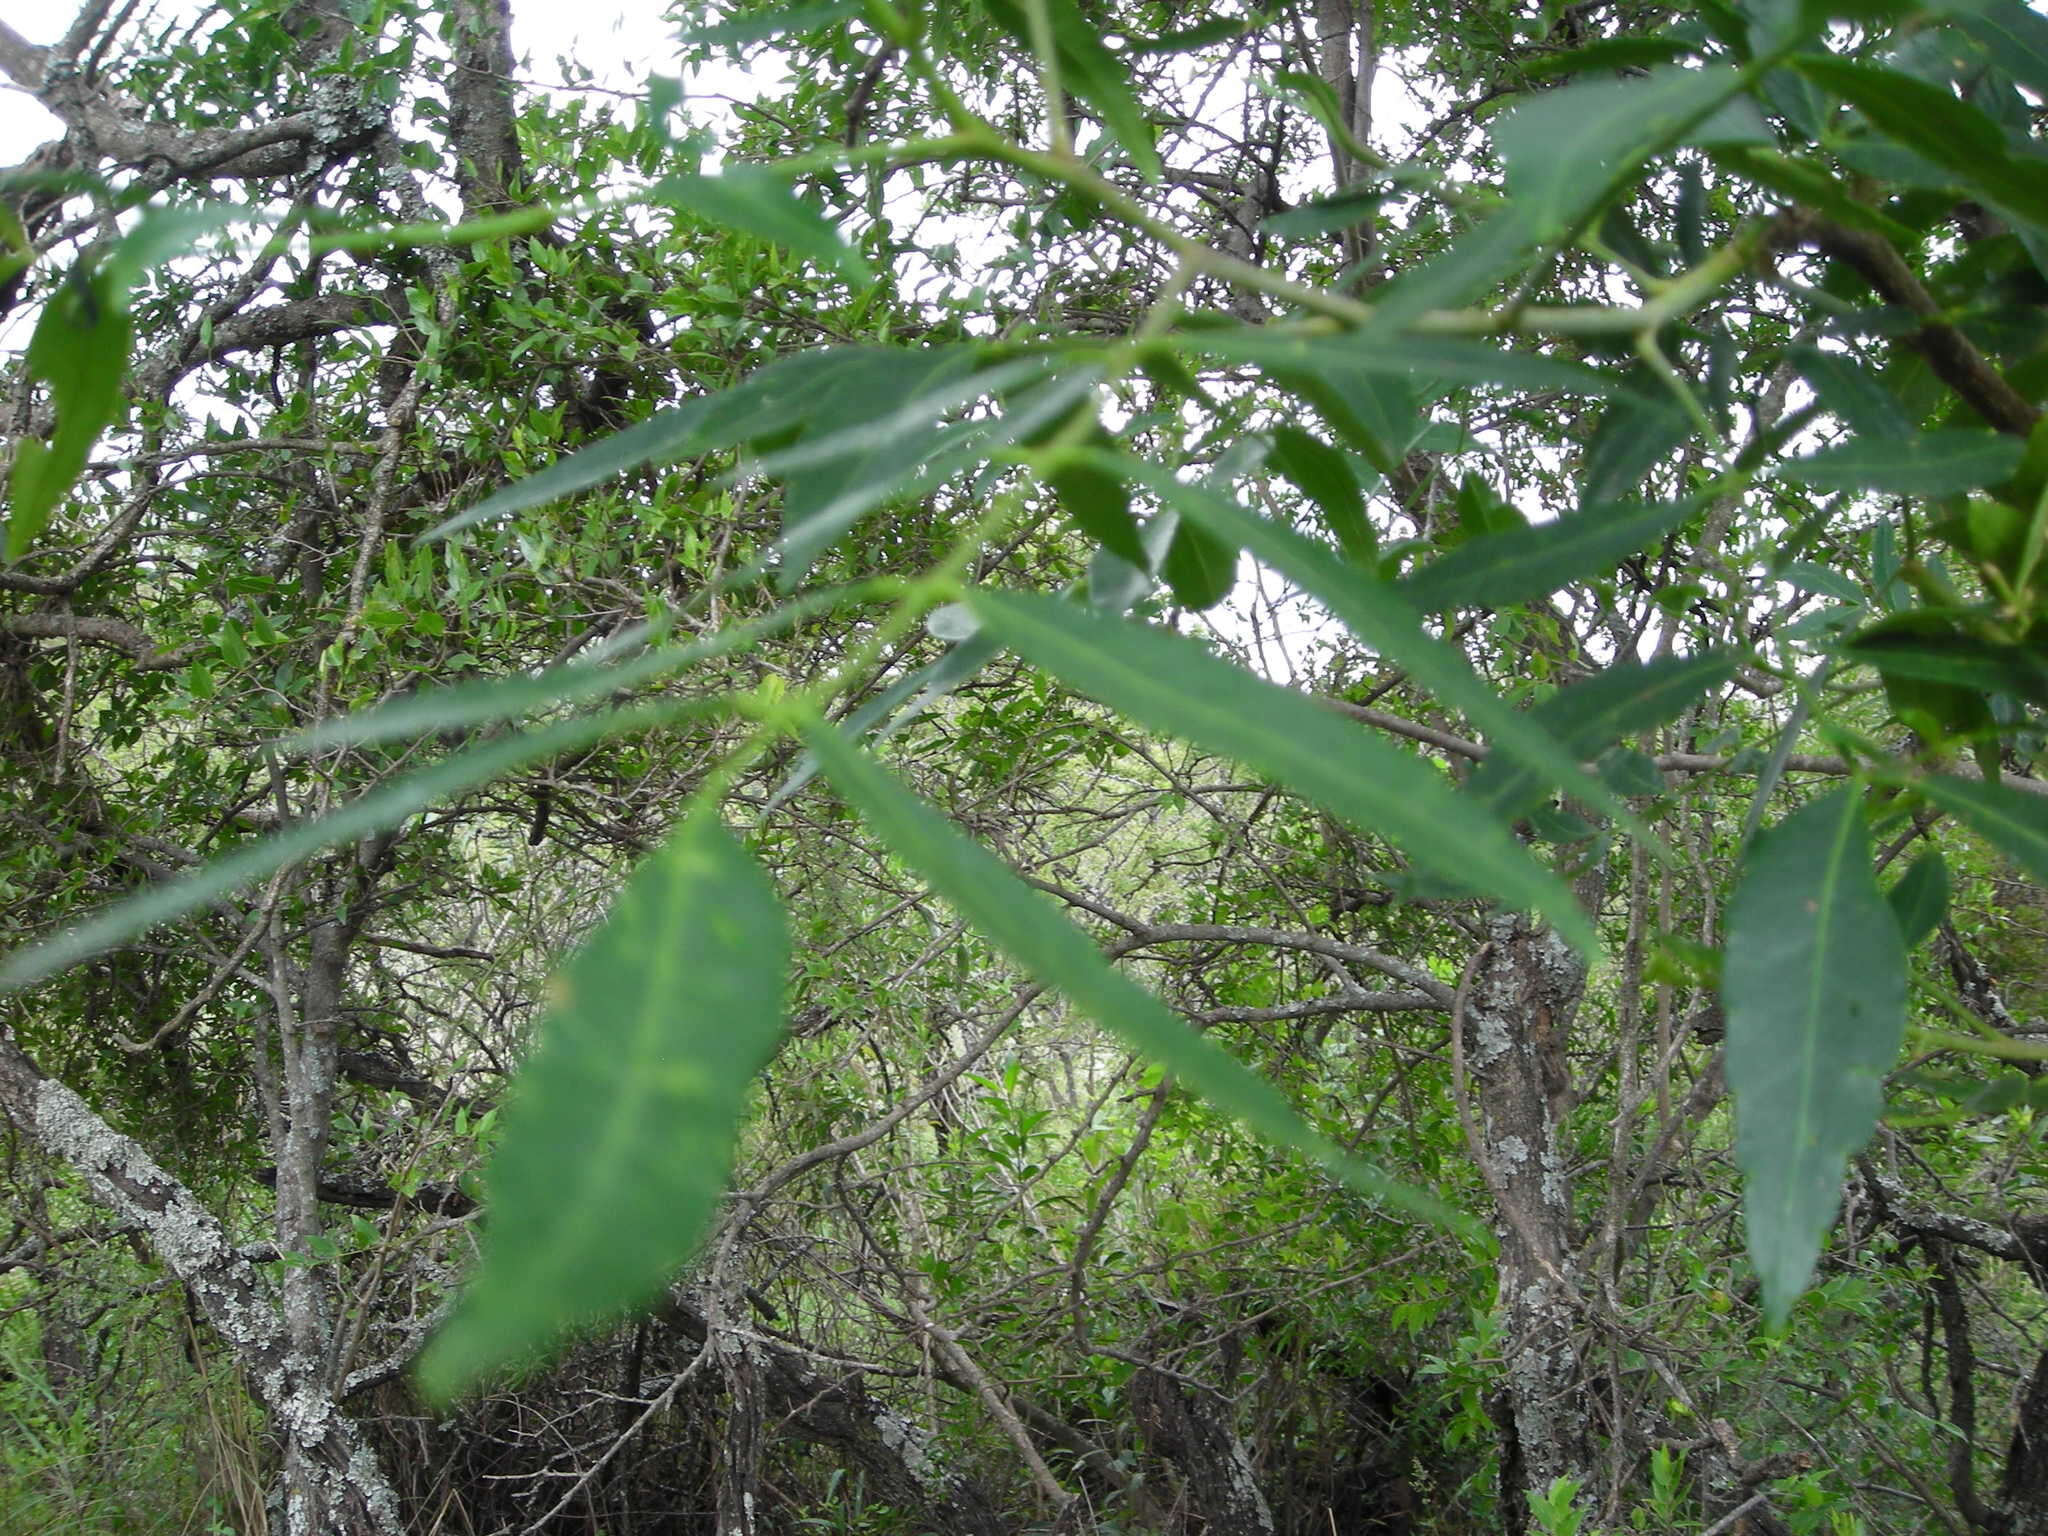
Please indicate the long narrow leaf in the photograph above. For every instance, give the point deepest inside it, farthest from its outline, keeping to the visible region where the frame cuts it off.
(1814, 988)
(2014, 823)
(1045, 943)
(1171, 684)
(1522, 564)
(381, 808)
(619, 1136)
(1380, 617)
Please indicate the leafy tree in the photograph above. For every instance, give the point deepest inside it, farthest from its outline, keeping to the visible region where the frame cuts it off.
(1167, 730)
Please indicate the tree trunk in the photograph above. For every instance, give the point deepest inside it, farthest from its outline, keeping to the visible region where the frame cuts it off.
(1524, 989)
(336, 1487)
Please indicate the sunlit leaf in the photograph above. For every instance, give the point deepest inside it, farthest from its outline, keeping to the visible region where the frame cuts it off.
(1814, 989)
(620, 1133)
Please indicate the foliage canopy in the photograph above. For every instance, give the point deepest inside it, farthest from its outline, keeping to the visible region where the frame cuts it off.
(1057, 530)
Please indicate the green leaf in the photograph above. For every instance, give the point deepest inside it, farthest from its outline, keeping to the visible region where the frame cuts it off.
(1525, 564)
(1932, 122)
(668, 435)
(1477, 261)
(1326, 215)
(1849, 390)
(902, 702)
(1637, 431)
(1045, 943)
(755, 201)
(1814, 989)
(1382, 619)
(1927, 648)
(861, 460)
(777, 23)
(1445, 359)
(1802, 181)
(1090, 72)
(1325, 476)
(1099, 503)
(463, 706)
(1932, 464)
(619, 1136)
(80, 349)
(1199, 568)
(1629, 697)
(1825, 581)
(1920, 899)
(1609, 53)
(2012, 821)
(1564, 149)
(2016, 35)
(1171, 684)
(383, 807)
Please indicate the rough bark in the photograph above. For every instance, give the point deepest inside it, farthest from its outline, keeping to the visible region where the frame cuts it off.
(1218, 1494)
(2022, 1508)
(481, 121)
(837, 1414)
(1524, 990)
(337, 1488)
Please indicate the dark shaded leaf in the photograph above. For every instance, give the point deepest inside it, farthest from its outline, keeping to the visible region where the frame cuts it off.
(2016, 34)
(1325, 476)
(1524, 564)
(1920, 899)
(1852, 393)
(1914, 645)
(1100, 505)
(1199, 567)
(1629, 697)
(1637, 432)
(2012, 821)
